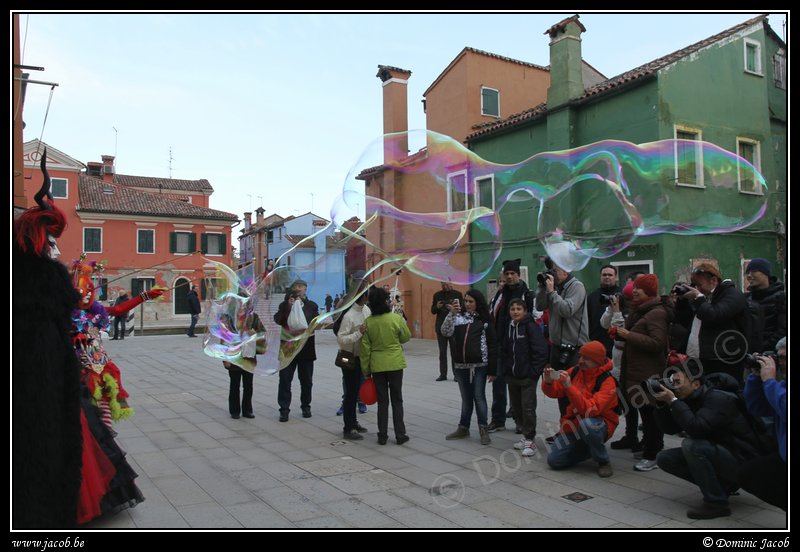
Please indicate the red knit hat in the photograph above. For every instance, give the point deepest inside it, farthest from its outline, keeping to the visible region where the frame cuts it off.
(648, 283)
(594, 351)
(627, 291)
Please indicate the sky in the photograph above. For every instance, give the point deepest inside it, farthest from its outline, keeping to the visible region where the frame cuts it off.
(275, 109)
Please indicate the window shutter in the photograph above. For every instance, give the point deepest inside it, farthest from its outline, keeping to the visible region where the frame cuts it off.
(203, 289)
(204, 243)
(136, 287)
(173, 242)
(223, 245)
(192, 242)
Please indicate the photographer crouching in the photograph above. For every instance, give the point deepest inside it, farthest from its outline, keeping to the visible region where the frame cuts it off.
(765, 393)
(564, 297)
(720, 438)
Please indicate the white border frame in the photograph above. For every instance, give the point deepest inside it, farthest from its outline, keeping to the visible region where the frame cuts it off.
(756, 164)
(483, 113)
(214, 254)
(176, 241)
(759, 72)
(698, 156)
(83, 238)
(450, 177)
(648, 262)
(66, 187)
(477, 191)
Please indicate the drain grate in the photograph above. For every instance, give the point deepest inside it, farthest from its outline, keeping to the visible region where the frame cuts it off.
(577, 497)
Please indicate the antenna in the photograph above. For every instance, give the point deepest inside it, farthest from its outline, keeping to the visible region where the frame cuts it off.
(312, 201)
(251, 201)
(260, 201)
(170, 162)
(116, 135)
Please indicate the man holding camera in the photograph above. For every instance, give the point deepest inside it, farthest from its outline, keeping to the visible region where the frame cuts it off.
(719, 437)
(439, 307)
(717, 336)
(565, 299)
(596, 304)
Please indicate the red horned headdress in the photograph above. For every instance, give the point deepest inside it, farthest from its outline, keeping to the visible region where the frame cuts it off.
(36, 230)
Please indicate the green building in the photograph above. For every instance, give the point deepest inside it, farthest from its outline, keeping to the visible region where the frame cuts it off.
(728, 90)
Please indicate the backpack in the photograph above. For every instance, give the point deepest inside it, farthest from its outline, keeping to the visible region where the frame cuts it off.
(765, 443)
(599, 382)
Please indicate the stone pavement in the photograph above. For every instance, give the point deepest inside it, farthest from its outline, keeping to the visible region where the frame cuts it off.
(198, 468)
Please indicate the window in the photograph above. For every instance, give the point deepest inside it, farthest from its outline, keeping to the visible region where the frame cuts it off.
(752, 56)
(484, 189)
(138, 285)
(456, 192)
(688, 157)
(145, 241)
(58, 187)
(93, 240)
(779, 68)
(269, 236)
(182, 242)
(490, 102)
(749, 150)
(212, 244)
(626, 268)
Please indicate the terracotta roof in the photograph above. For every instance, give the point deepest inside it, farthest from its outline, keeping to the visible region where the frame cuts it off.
(561, 25)
(634, 76)
(466, 49)
(377, 169)
(125, 201)
(384, 72)
(201, 185)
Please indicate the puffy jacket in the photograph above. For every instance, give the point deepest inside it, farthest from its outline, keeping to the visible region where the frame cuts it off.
(524, 349)
(772, 303)
(722, 313)
(710, 414)
(646, 347)
(472, 341)
(381, 349)
(583, 402)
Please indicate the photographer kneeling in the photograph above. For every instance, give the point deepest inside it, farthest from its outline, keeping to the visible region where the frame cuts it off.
(765, 393)
(720, 438)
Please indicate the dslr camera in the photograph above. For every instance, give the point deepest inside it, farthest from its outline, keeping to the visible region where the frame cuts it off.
(605, 300)
(654, 385)
(681, 289)
(565, 352)
(551, 271)
(750, 361)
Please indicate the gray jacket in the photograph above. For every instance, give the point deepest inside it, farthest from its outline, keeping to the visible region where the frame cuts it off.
(567, 308)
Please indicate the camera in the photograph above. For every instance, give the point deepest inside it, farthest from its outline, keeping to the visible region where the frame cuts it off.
(681, 289)
(605, 300)
(654, 385)
(551, 271)
(565, 352)
(751, 363)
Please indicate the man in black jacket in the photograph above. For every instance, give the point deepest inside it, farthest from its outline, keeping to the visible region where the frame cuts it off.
(194, 310)
(303, 362)
(439, 307)
(718, 332)
(769, 296)
(596, 305)
(720, 438)
(120, 320)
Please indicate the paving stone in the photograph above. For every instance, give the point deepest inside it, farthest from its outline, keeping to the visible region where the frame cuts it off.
(208, 515)
(257, 515)
(334, 466)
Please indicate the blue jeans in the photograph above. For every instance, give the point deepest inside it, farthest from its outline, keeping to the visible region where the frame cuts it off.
(195, 318)
(709, 466)
(473, 394)
(587, 442)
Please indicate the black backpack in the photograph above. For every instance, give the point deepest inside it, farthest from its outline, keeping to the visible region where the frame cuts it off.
(599, 382)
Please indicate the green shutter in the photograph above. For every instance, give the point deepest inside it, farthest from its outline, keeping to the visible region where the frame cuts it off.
(192, 242)
(136, 287)
(222, 245)
(204, 243)
(173, 242)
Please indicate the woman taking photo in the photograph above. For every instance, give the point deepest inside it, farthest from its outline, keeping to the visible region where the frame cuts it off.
(473, 343)
(382, 358)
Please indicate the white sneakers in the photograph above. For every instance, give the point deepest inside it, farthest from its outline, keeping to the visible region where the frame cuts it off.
(527, 446)
(646, 465)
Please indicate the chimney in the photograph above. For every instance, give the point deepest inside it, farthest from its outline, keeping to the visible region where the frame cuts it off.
(395, 110)
(566, 80)
(108, 168)
(95, 169)
(247, 223)
(260, 216)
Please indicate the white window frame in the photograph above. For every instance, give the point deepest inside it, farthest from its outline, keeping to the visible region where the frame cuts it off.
(759, 69)
(83, 238)
(483, 112)
(66, 187)
(618, 264)
(450, 178)
(743, 273)
(756, 164)
(698, 156)
(215, 254)
(477, 191)
(176, 242)
(153, 230)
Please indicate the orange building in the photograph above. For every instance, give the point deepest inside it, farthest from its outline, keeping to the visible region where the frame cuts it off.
(477, 88)
(146, 231)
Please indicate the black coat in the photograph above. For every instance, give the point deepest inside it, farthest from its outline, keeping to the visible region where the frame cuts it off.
(504, 296)
(194, 302)
(594, 310)
(441, 312)
(524, 349)
(45, 398)
(311, 311)
(772, 304)
(466, 344)
(722, 313)
(710, 414)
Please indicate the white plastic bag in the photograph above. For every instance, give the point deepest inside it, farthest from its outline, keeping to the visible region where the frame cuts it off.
(297, 318)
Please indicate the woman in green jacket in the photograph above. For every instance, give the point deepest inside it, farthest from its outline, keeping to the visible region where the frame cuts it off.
(382, 358)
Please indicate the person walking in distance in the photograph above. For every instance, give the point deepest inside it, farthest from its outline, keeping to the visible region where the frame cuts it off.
(194, 310)
(441, 299)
